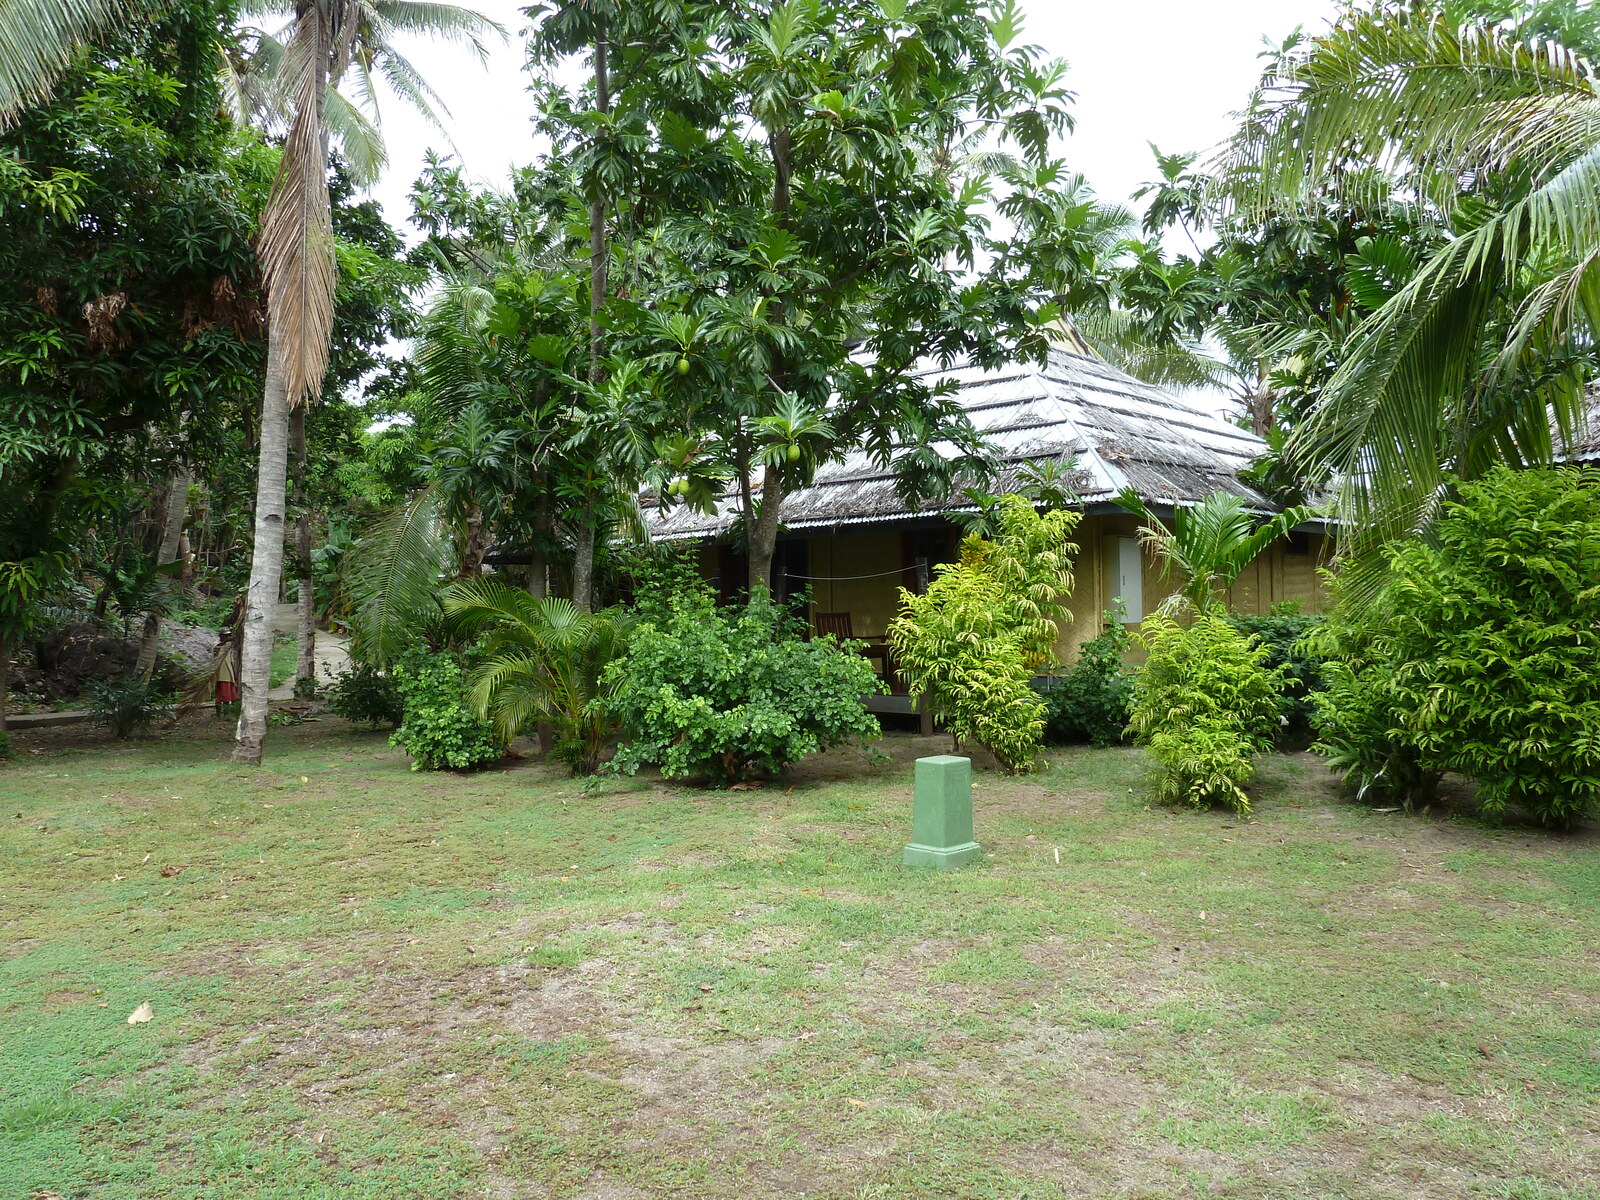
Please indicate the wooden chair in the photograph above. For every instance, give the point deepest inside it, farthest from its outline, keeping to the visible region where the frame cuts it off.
(836, 623)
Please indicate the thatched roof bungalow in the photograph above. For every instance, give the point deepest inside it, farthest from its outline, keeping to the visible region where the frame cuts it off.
(854, 541)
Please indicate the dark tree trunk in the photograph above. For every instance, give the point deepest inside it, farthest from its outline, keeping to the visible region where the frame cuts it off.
(5, 676)
(583, 560)
(763, 530)
(166, 552)
(764, 534)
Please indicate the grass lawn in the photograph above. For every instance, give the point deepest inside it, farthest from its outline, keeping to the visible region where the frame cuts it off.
(285, 657)
(370, 983)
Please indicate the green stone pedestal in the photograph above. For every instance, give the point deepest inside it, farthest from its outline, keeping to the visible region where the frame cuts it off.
(941, 814)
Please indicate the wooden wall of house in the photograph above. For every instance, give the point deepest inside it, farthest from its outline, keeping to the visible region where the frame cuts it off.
(840, 562)
(852, 564)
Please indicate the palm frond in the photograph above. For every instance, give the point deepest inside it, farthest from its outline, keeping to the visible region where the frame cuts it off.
(38, 39)
(361, 144)
(296, 239)
(392, 577)
(446, 22)
(1209, 544)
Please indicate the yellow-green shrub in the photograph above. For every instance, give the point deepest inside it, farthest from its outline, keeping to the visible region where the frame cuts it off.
(974, 640)
(1205, 705)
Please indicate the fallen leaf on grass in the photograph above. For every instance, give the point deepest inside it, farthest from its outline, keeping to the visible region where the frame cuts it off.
(856, 1103)
(749, 787)
(705, 987)
(141, 1014)
(45, 1194)
(168, 871)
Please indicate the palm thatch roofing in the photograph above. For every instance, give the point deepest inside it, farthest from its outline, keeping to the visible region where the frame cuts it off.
(1585, 446)
(1118, 431)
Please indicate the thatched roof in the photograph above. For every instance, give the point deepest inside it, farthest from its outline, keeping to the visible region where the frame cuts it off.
(1121, 432)
(1586, 446)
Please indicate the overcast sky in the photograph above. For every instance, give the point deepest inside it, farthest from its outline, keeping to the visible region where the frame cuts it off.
(1162, 71)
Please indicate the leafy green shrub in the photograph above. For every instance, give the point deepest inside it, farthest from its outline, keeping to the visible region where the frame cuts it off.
(305, 687)
(1093, 701)
(1482, 656)
(974, 640)
(1289, 636)
(725, 694)
(439, 729)
(366, 695)
(128, 705)
(1205, 704)
(8, 748)
(1361, 731)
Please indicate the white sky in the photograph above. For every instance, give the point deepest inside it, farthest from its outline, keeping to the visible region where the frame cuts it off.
(1162, 71)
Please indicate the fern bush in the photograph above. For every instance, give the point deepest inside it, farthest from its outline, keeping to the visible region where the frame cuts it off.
(439, 730)
(1483, 656)
(728, 694)
(128, 705)
(1093, 700)
(973, 642)
(1205, 704)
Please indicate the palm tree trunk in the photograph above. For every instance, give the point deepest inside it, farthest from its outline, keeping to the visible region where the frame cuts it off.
(171, 531)
(306, 598)
(266, 564)
(186, 557)
(5, 676)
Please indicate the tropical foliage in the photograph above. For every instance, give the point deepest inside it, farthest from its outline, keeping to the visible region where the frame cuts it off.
(540, 660)
(1205, 704)
(439, 729)
(973, 641)
(1210, 544)
(1482, 658)
(731, 694)
(1092, 701)
(1480, 341)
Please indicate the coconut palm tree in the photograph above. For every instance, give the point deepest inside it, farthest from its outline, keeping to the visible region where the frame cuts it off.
(542, 661)
(326, 39)
(1480, 356)
(1209, 544)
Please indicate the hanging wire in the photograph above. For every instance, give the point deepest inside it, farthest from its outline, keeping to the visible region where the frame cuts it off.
(845, 578)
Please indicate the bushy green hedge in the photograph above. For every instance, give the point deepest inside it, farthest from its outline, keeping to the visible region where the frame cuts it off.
(1205, 705)
(439, 729)
(1289, 636)
(725, 694)
(1483, 654)
(366, 695)
(1093, 701)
